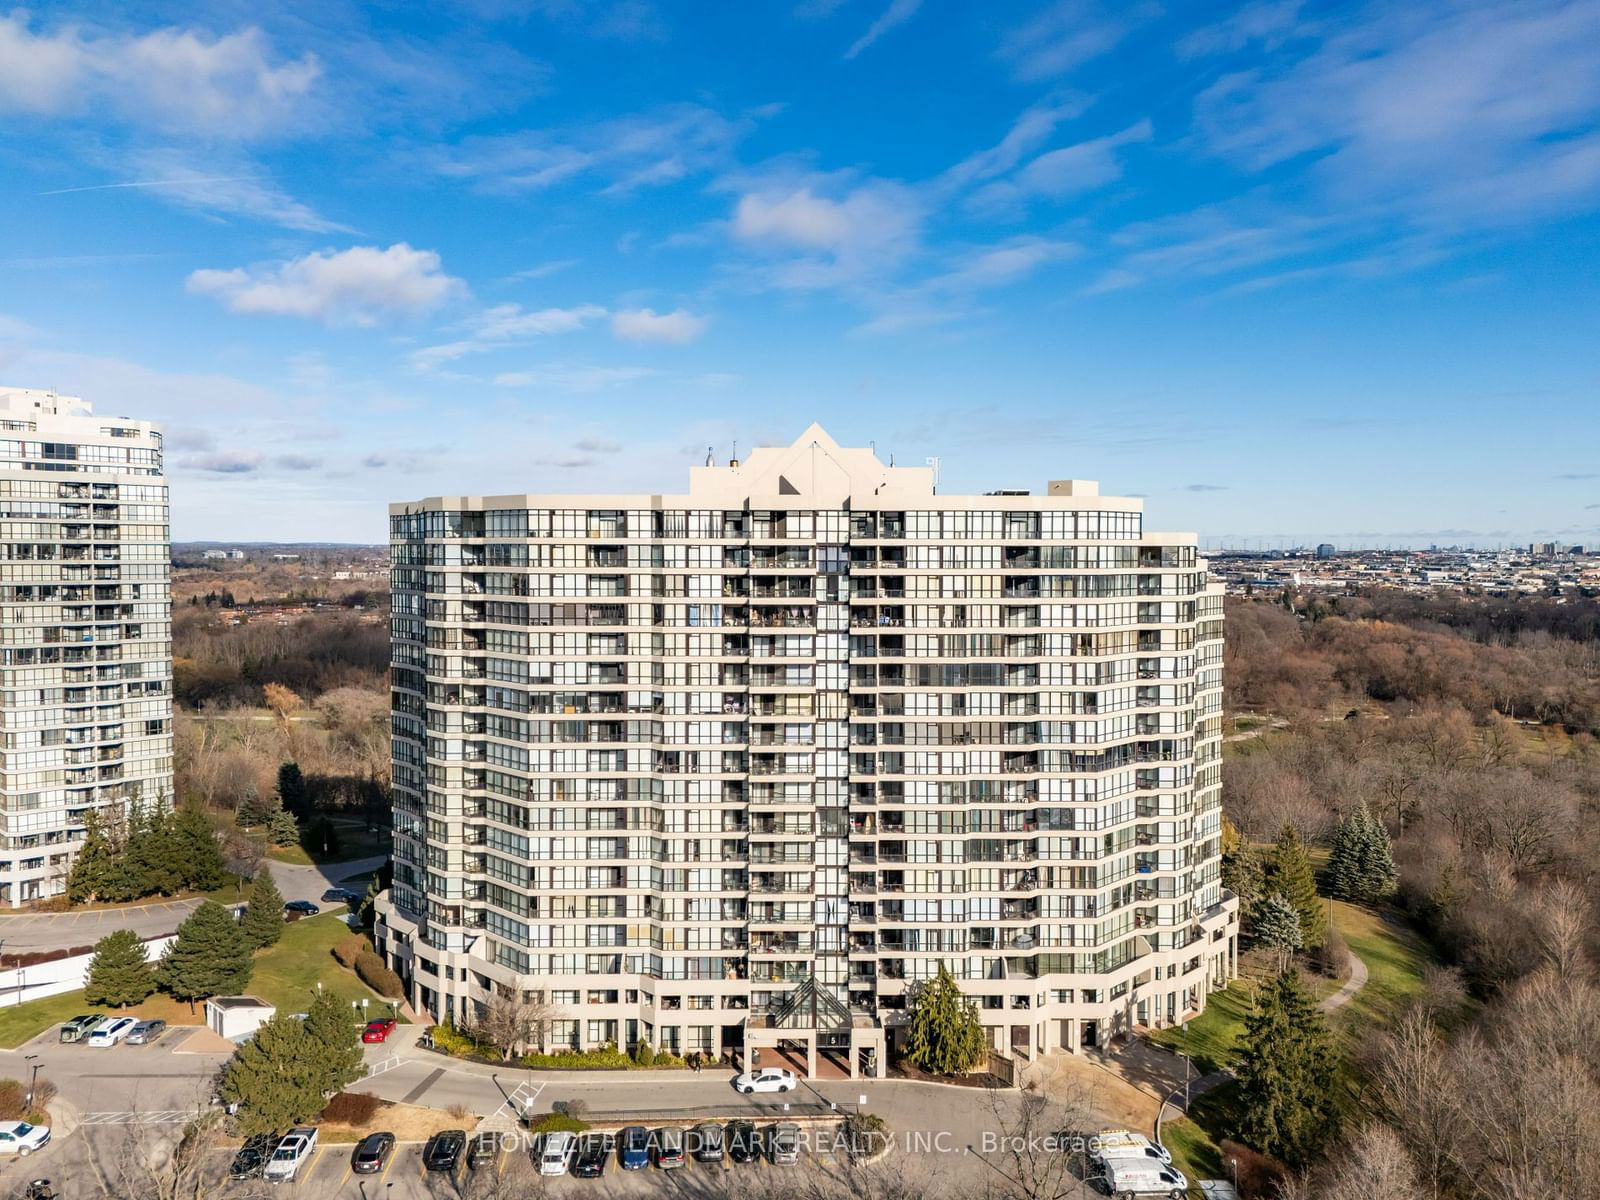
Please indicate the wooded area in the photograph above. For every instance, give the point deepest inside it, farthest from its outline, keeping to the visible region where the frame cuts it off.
(1461, 730)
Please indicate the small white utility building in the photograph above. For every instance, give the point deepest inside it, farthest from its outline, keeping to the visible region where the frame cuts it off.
(237, 1017)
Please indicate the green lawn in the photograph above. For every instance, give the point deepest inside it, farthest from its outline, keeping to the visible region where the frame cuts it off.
(1395, 958)
(286, 976)
(355, 841)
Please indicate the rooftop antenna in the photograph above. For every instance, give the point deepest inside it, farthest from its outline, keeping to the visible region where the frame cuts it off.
(736, 449)
(934, 463)
(711, 456)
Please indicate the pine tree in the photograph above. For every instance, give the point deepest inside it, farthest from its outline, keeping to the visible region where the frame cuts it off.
(335, 1042)
(1286, 1073)
(262, 923)
(1376, 864)
(1344, 862)
(153, 861)
(1275, 924)
(282, 828)
(1288, 871)
(943, 1034)
(96, 869)
(382, 880)
(119, 972)
(1242, 875)
(194, 844)
(292, 792)
(209, 958)
(276, 1077)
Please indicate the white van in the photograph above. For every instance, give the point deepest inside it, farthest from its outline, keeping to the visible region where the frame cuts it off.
(557, 1152)
(113, 1031)
(1134, 1176)
(1123, 1143)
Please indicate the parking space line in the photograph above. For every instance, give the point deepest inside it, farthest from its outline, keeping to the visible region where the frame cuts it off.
(389, 1166)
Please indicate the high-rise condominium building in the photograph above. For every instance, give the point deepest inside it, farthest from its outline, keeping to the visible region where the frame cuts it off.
(85, 630)
(741, 767)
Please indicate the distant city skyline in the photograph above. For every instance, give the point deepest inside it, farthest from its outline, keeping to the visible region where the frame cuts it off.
(1275, 268)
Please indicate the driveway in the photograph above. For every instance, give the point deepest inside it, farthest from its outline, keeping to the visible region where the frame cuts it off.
(56, 931)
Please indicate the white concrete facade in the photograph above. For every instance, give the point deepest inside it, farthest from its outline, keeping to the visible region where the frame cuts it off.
(85, 630)
(661, 758)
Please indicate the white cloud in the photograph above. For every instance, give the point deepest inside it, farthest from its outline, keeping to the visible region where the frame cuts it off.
(573, 378)
(1454, 113)
(224, 462)
(1068, 34)
(1028, 132)
(871, 228)
(172, 80)
(1067, 171)
(642, 150)
(1270, 22)
(357, 286)
(503, 325)
(647, 325)
(230, 187)
(1003, 264)
(898, 13)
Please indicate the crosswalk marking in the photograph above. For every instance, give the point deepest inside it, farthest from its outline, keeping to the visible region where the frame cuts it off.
(175, 1116)
(507, 1117)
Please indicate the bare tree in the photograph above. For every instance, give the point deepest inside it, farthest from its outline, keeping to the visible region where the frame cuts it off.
(163, 1162)
(513, 1021)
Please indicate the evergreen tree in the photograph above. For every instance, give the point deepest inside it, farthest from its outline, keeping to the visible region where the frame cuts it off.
(1286, 1073)
(1242, 875)
(151, 854)
(292, 792)
(335, 1041)
(262, 923)
(1376, 863)
(97, 869)
(119, 972)
(1288, 872)
(282, 828)
(943, 1033)
(1276, 925)
(209, 958)
(381, 881)
(276, 1077)
(1344, 861)
(194, 846)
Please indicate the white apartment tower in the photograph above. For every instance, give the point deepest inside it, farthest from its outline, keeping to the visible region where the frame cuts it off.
(739, 768)
(85, 630)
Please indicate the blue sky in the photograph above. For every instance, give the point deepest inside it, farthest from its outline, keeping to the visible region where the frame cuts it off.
(1288, 270)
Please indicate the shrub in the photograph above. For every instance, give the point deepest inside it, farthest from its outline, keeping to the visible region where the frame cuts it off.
(351, 1108)
(865, 1134)
(370, 968)
(643, 1055)
(454, 1041)
(570, 1108)
(348, 949)
(607, 1059)
(14, 1095)
(1260, 1175)
(557, 1123)
(1332, 958)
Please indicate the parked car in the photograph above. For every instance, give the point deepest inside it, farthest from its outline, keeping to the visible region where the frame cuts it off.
(293, 1153)
(743, 1145)
(706, 1142)
(372, 1153)
(483, 1151)
(301, 908)
(768, 1079)
(22, 1139)
(633, 1148)
(783, 1144)
(443, 1150)
(556, 1153)
(666, 1148)
(112, 1032)
(252, 1157)
(145, 1032)
(79, 1028)
(338, 895)
(379, 1030)
(594, 1153)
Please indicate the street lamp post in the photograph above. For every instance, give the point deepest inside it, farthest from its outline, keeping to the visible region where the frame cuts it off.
(33, 1084)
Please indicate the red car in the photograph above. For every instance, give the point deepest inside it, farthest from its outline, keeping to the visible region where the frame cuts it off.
(377, 1031)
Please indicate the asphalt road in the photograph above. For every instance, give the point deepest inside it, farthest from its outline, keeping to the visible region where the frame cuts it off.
(54, 931)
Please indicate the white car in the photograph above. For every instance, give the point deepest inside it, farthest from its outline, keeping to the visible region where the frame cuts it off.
(22, 1139)
(112, 1031)
(296, 1149)
(768, 1079)
(1123, 1143)
(557, 1152)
